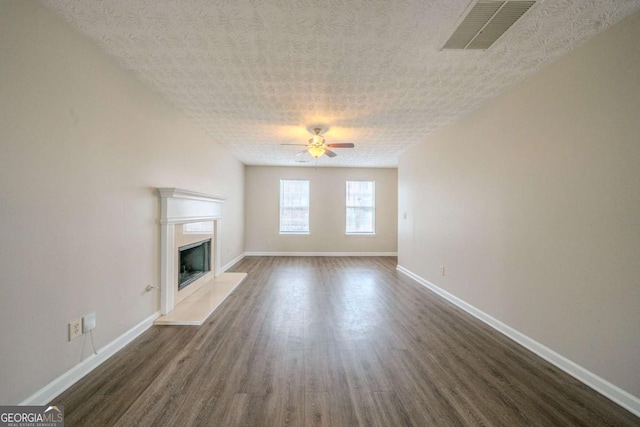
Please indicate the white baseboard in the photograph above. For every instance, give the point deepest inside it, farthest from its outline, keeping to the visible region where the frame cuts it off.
(602, 386)
(321, 253)
(233, 261)
(73, 375)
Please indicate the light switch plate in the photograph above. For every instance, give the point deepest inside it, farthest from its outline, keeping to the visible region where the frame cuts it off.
(88, 322)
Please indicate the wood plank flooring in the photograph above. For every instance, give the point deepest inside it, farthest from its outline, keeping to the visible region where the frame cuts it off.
(332, 342)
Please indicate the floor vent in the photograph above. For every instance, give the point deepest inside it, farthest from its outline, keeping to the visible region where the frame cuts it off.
(485, 23)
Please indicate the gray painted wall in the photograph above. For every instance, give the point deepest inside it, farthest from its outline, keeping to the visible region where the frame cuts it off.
(327, 210)
(84, 145)
(532, 204)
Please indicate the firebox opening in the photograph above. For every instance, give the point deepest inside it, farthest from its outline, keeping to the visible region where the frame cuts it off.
(195, 262)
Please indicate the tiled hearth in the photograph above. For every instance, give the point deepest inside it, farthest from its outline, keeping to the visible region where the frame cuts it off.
(195, 309)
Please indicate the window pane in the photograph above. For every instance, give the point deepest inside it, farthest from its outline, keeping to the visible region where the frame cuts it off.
(294, 206)
(360, 207)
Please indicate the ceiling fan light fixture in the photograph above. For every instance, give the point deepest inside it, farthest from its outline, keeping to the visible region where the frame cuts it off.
(316, 150)
(316, 140)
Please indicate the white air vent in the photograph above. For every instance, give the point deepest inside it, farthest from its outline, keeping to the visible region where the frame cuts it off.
(485, 23)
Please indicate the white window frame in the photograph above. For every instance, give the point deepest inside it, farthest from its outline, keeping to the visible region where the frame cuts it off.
(280, 225)
(372, 207)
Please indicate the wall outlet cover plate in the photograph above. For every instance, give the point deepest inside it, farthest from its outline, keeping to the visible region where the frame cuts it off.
(75, 328)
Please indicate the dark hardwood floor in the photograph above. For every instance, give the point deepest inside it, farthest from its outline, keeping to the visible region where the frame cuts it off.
(332, 342)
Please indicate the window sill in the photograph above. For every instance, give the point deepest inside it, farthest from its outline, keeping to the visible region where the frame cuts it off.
(294, 233)
(361, 234)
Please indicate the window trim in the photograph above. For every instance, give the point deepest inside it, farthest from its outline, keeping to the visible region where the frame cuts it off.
(373, 211)
(294, 233)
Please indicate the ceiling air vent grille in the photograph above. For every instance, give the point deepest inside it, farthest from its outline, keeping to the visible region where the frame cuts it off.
(485, 23)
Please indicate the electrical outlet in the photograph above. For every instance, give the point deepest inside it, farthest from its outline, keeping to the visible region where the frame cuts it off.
(442, 270)
(88, 322)
(75, 328)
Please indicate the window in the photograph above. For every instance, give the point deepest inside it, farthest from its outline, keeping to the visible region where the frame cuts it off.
(361, 207)
(294, 206)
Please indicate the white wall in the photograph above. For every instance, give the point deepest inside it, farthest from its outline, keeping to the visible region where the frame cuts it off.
(327, 210)
(83, 145)
(532, 204)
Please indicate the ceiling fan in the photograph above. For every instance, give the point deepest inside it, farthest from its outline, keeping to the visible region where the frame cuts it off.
(317, 146)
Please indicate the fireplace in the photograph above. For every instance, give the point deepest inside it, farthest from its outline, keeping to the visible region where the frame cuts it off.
(178, 207)
(194, 262)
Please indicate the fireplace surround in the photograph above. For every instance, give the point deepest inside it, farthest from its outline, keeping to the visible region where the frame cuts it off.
(177, 207)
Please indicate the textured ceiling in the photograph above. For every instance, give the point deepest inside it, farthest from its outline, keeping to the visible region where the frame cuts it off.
(258, 73)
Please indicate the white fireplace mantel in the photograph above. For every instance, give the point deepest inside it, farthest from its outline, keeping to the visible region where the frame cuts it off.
(179, 206)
